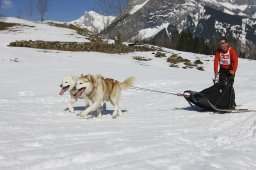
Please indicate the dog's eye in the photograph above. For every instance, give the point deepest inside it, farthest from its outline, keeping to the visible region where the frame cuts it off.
(80, 83)
(66, 82)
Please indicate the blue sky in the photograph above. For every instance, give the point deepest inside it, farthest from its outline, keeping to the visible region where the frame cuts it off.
(59, 10)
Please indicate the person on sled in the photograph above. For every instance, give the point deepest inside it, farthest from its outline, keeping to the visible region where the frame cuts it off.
(225, 65)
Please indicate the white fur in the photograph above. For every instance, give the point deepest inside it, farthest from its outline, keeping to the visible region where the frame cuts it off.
(70, 80)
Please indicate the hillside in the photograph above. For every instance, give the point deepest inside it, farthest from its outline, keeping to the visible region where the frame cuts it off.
(163, 22)
(156, 130)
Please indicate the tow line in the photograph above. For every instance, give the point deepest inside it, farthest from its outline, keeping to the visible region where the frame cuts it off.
(157, 91)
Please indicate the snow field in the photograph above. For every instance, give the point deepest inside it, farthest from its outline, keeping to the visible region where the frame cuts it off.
(156, 131)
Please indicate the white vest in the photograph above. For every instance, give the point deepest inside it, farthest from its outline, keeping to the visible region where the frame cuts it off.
(225, 58)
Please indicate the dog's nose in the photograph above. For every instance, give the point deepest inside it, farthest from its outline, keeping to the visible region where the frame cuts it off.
(61, 85)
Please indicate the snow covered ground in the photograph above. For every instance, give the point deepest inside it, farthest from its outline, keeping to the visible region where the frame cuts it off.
(156, 132)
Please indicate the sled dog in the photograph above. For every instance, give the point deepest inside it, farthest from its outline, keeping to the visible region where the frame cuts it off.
(99, 89)
(69, 84)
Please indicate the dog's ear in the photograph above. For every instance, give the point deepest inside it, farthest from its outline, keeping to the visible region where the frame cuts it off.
(88, 76)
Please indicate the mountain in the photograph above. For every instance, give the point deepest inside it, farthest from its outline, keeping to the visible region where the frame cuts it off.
(154, 19)
(93, 21)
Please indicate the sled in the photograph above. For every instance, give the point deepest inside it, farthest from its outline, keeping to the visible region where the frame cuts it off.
(217, 98)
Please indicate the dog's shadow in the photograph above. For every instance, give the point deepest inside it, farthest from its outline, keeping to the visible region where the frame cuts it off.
(104, 110)
(79, 108)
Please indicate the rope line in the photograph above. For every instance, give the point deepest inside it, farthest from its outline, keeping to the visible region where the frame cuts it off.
(151, 90)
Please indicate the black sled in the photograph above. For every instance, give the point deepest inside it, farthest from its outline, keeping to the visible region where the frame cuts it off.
(217, 98)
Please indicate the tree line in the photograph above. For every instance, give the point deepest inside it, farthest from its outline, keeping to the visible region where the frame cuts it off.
(186, 41)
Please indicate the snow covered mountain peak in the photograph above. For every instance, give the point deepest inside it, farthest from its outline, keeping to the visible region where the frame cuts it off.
(93, 21)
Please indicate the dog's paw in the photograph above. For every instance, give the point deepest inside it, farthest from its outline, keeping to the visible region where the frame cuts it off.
(114, 116)
(120, 113)
(71, 109)
(81, 114)
(99, 116)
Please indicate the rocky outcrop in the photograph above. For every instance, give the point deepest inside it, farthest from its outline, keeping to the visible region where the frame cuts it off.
(98, 46)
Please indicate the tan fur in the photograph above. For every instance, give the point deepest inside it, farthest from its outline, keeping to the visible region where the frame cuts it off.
(99, 89)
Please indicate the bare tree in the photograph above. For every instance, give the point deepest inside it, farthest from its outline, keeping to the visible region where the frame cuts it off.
(42, 6)
(30, 9)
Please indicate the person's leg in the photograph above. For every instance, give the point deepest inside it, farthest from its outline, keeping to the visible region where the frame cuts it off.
(232, 80)
(224, 76)
(234, 97)
(223, 73)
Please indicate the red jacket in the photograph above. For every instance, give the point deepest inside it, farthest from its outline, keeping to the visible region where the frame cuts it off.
(226, 59)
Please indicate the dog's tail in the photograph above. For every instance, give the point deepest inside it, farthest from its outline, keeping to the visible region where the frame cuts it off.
(127, 83)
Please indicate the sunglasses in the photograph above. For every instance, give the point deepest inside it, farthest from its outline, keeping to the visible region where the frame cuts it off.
(223, 42)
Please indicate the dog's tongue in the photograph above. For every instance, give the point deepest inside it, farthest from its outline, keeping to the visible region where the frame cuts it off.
(62, 91)
(79, 92)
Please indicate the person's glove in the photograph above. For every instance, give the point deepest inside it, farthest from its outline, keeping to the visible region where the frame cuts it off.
(232, 72)
(231, 79)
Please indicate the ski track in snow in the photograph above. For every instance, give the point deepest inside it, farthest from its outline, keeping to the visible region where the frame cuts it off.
(156, 131)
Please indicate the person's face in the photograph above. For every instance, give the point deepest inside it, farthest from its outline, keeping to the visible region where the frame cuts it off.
(223, 44)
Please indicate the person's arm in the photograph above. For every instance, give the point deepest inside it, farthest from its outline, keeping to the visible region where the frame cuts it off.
(234, 59)
(216, 63)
